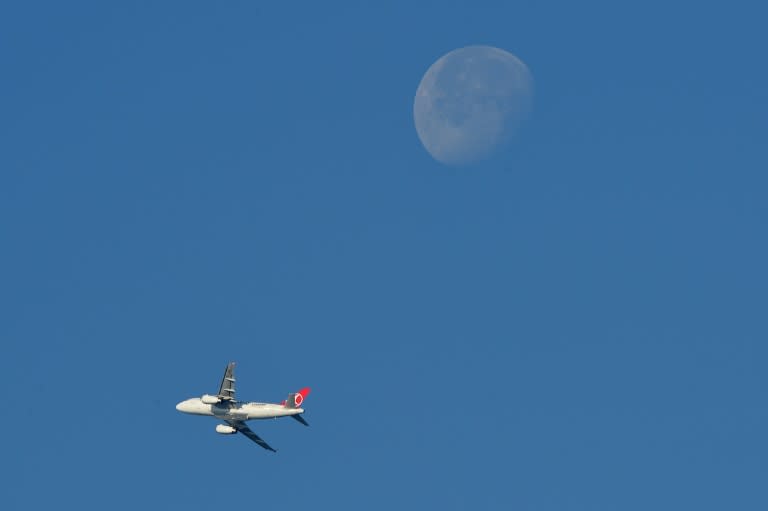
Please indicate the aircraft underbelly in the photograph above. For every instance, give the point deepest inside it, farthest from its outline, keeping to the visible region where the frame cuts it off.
(264, 411)
(262, 414)
(233, 415)
(271, 411)
(229, 414)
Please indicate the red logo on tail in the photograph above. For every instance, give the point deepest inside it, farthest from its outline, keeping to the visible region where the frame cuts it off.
(301, 396)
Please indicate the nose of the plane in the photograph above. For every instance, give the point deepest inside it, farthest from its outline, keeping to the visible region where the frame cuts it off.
(180, 406)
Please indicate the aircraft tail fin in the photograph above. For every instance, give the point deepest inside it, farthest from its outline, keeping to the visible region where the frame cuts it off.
(296, 399)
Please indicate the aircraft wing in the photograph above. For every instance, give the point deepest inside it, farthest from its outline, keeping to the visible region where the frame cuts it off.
(227, 387)
(245, 430)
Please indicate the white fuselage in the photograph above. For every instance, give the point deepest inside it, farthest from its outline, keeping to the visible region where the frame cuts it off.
(226, 410)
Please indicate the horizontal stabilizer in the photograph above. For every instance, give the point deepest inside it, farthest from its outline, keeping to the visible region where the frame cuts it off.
(300, 419)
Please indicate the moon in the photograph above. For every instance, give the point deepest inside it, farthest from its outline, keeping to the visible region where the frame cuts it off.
(470, 103)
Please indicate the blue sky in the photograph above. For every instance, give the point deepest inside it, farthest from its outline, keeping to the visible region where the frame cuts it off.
(577, 324)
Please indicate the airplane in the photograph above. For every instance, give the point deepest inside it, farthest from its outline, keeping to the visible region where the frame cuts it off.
(234, 413)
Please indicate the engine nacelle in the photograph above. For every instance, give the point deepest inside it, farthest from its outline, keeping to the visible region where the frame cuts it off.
(223, 429)
(209, 400)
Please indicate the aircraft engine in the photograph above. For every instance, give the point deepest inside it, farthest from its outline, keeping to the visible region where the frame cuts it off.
(209, 400)
(223, 429)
